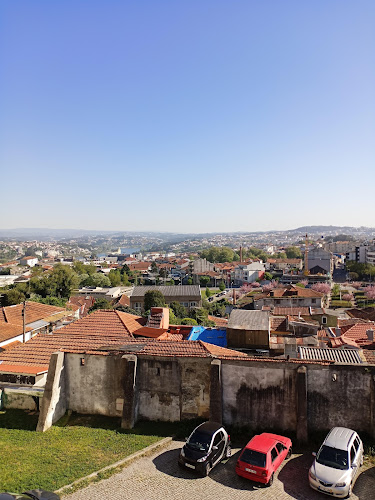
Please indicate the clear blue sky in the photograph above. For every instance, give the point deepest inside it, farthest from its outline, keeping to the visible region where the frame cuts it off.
(199, 115)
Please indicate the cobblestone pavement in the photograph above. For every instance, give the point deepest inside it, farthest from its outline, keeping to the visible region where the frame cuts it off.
(158, 477)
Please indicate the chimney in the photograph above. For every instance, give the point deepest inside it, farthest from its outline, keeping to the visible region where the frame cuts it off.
(370, 335)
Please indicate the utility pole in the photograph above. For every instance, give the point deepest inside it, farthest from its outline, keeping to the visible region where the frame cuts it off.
(24, 322)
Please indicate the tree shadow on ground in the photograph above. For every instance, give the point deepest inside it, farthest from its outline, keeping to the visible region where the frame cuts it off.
(295, 478)
(364, 487)
(18, 419)
(223, 473)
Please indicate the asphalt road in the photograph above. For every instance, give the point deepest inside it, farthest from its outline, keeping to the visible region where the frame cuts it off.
(158, 477)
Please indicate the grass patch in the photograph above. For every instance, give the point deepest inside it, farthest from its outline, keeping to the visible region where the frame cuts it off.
(340, 303)
(69, 450)
(212, 290)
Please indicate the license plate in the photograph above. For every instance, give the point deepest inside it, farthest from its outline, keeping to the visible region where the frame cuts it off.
(251, 470)
(326, 490)
(190, 466)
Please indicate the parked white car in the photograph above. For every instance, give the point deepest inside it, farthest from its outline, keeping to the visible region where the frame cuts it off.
(336, 465)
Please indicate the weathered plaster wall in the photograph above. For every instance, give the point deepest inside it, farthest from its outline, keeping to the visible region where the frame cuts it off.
(259, 395)
(339, 396)
(94, 386)
(173, 388)
(19, 401)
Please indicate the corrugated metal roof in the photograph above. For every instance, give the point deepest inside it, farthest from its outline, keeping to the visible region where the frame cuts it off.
(169, 291)
(249, 320)
(348, 356)
(38, 324)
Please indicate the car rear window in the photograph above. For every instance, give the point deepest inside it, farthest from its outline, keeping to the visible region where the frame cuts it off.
(253, 457)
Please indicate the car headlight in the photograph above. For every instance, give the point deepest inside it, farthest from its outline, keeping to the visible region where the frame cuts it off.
(202, 459)
(340, 485)
(312, 475)
(182, 452)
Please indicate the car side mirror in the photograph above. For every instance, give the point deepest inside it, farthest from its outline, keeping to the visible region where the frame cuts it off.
(314, 453)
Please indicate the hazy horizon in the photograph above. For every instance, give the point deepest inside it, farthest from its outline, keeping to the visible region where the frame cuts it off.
(187, 117)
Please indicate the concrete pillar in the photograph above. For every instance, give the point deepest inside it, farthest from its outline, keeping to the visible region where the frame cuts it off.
(130, 408)
(54, 402)
(372, 404)
(216, 397)
(301, 391)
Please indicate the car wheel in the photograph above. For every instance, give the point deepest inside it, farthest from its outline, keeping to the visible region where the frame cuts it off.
(270, 481)
(207, 469)
(289, 454)
(228, 451)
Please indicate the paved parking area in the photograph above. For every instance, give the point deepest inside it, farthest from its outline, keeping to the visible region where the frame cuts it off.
(159, 477)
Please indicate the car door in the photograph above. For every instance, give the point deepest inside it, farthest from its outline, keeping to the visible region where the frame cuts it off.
(355, 457)
(219, 444)
(275, 459)
(282, 451)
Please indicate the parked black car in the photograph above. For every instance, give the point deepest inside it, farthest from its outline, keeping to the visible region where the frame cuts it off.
(206, 446)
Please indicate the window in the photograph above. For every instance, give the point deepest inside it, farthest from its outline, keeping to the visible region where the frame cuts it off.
(356, 444)
(279, 447)
(218, 438)
(192, 304)
(324, 320)
(313, 301)
(352, 454)
(278, 301)
(274, 454)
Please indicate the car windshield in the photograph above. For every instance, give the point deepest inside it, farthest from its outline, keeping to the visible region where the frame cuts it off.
(253, 457)
(332, 457)
(199, 441)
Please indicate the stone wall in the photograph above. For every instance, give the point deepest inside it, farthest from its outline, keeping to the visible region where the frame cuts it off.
(262, 394)
(173, 388)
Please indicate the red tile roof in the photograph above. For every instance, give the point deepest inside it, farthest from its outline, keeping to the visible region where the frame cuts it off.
(23, 370)
(34, 312)
(293, 311)
(82, 303)
(221, 322)
(354, 335)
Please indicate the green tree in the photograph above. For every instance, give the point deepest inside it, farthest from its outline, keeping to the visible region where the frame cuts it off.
(154, 267)
(115, 277)
(154, 298)
(189, 321)
(190, 281)
(208, 292)
(12, 297)
(222, 286)
(293, 253)
(204, 280)
(178, 309)
(125, 279)
(100, 304)
(81, 268)
(125, 269)
(268, 276)
(100, 280)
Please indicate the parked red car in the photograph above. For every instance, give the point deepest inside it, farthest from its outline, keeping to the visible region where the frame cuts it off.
(262, 456)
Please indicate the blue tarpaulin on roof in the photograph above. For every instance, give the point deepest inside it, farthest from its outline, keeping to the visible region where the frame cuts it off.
(216, 336)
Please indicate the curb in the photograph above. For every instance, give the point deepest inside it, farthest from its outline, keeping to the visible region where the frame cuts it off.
(124, 461)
